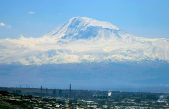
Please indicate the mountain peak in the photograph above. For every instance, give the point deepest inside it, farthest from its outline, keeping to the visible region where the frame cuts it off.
(93, 22)
(85, 28)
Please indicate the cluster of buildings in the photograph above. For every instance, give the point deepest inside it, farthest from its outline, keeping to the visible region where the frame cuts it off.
(82, 99)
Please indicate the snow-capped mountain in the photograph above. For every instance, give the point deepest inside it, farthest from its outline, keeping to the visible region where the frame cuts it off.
(85, 28)
(83, 39)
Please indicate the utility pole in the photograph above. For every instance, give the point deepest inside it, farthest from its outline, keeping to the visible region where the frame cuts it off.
(70, 102)
(70, 89)
(41, 89)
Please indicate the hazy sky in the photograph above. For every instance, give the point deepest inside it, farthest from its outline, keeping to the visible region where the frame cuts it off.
(33, 18)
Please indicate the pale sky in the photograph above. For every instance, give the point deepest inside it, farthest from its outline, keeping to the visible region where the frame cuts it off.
(34, 18)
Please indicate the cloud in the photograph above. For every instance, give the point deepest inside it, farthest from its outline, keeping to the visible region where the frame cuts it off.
(2, 24)
(46, 50)
(31, 12)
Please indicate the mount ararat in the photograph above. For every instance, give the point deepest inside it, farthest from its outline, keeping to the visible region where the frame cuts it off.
(88, 53)
(83, 39)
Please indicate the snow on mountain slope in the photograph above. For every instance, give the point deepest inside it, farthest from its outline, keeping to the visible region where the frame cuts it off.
(83, 39)
(85, 28)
